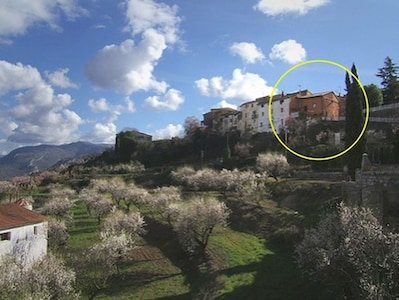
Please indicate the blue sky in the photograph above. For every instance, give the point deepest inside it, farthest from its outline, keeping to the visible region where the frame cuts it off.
(84, 70)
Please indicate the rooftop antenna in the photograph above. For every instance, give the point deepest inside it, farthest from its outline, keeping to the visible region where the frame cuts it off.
(300, 87)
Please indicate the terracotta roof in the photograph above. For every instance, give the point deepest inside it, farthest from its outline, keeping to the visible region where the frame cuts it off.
(12, 215)
(314, 95)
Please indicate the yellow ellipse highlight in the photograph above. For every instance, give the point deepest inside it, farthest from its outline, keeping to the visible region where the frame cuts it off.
(321, 61)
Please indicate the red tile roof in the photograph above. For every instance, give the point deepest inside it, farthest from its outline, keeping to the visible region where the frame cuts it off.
(12, 215)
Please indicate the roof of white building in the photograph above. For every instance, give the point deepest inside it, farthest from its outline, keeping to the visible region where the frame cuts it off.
(12, 215)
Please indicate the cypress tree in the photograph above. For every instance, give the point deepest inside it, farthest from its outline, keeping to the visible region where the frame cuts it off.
(354, 122)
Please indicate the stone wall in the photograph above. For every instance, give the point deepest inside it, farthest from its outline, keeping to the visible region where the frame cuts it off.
(375, 187)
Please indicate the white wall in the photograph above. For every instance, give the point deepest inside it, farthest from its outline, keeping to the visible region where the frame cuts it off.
(279, 117)
(26, 245)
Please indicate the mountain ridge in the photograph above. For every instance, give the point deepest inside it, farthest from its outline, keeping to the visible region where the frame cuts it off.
(25, 160)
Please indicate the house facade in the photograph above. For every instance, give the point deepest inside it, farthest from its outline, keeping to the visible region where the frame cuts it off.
(23, 233)
(249, 118)
(320, 105)
(280, 112)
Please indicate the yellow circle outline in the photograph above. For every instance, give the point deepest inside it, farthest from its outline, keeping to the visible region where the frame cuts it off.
(324, 61)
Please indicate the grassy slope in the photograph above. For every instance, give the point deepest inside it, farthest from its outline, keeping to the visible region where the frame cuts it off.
(248, 267)
(149, 275)
(256, 270)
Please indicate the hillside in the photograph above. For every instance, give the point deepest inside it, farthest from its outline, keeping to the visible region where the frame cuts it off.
(25, 160)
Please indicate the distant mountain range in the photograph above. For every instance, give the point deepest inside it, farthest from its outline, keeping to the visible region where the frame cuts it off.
(25, 160)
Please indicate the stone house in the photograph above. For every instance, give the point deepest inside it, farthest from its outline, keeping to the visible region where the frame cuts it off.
(23, 233)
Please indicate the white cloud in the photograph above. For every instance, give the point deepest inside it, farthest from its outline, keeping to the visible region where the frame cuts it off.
(148, 14)
(280, 7)
(248, 52)
(224, 103)
(102, 133)
(16, 16)
(99, 105)
(59, 78)
(102, 105)
(17, 77)
(168, 132)
(289, 51)
(171, 100)
(128, 67)
(40, 115)
(241, 87)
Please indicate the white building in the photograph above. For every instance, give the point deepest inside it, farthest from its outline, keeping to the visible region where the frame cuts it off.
(23, 233)
(280, 112)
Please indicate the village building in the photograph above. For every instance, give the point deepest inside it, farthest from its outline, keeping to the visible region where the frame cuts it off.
(324, 106)
(23, 233)
(280, 112)
(249, 120)
(221, 119)
(253, 116)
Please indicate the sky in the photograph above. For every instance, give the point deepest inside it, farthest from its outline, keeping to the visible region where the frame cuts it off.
(84, 70)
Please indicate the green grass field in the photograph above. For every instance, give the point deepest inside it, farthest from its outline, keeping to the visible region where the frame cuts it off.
(247, 267)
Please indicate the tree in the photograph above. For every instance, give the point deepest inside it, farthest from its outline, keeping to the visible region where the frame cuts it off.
(351, 250)
(119, 223)
(196, 220)
(98, 204)
(389, 81)
(273, 164)
(47, 278)
(374, 94)
(95, 266)
(134, 195)
(242, 150)
(160, 199)
(59, 207)
(190, 126)
(57, 234)
(354, 122)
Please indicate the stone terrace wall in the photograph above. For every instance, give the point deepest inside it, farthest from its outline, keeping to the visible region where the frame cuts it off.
(377, 188)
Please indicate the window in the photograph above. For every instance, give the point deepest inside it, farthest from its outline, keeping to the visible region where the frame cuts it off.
(5, 236)
(35, 230)
(282, 109)
(282, 122)
(314, 105)
(263, 113)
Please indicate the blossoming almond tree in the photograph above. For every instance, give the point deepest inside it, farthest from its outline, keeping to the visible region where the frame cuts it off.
(351, 250)
(196, 220)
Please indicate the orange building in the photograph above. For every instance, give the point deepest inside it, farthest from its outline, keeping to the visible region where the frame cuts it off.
(323, 105)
